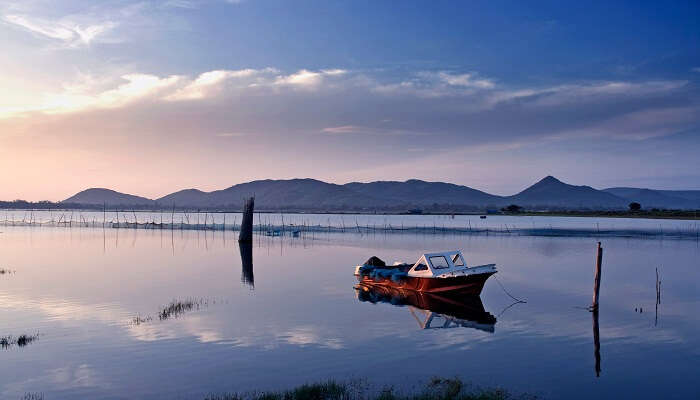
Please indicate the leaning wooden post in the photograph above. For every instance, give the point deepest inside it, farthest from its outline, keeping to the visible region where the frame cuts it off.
(246, 234)
(596, 281)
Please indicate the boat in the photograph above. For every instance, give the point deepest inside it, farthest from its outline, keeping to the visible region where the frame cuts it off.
(439, 273)
(432, 311)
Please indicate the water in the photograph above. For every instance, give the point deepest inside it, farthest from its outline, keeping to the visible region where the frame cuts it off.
(365, 223)
(299, 320)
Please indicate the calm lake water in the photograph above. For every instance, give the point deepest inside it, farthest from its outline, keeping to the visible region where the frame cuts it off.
(296, 317)
(350, 221)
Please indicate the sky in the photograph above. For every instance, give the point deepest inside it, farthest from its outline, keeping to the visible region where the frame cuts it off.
(150, 97)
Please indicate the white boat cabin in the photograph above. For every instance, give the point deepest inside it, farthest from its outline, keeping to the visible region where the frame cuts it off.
(446, 265)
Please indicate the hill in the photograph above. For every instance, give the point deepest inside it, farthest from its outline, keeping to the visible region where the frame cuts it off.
(649, 198)
(419, 193)
(300, 194)
(553, 193)
(393, 196)
(100, 196)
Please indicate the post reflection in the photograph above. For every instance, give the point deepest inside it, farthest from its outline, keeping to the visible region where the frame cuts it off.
(247, 277)
(596, 342)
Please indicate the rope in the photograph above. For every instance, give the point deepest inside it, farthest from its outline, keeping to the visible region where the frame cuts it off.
(506, 292)
(507, 308)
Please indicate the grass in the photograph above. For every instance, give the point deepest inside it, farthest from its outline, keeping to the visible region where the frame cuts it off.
(436, 389)
(178, 307)
(20, 341)
(174, 309)
(138, 320)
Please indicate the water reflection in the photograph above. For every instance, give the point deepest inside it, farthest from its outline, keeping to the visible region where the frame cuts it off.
(82, 288)
(596, 342)
(433, 311)
(247, 277)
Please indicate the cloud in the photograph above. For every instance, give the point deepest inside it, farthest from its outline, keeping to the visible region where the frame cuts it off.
(67, 32)
(80, 96)
(308, 79)
(639, 125)
(696, 69)
(230, 134)
(187, 4)
(438, 84)
(208, 83)
(465, 80)
(74, 98)
(437, 109)
(577, 93)
(365, 130)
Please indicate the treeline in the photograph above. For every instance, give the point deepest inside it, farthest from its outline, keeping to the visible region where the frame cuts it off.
(343, 208)
(653, 213)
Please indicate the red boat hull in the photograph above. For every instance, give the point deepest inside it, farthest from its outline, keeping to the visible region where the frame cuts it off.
(466, 285)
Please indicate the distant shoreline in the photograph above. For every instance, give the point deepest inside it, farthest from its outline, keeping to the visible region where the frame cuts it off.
(644, 214)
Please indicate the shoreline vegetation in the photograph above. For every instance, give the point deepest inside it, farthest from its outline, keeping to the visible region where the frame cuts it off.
(435, 389)
(642, 214)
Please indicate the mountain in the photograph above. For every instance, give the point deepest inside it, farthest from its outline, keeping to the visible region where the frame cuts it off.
(183, 197)
(551, 192)
(418, 193)
(649, 198)
(693, 195)
(315, 195)
(278, 194)
(100, 196)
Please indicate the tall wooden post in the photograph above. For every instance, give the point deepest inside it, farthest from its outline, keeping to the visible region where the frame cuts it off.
(246, 234)
(596, 281)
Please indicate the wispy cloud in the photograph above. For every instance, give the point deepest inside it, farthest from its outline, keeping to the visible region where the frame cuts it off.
(76, 98)
(577, 93)
(308, 79)
(696, 69)
(466, 80)
(210, 82)
(81, 95)
(438, 84)
(343, 103)
(230, 134)
(65, 31)
(187, 4)
(638, 125)
(366, 130)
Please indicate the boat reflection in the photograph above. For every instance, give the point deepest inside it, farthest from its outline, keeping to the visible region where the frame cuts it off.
(432, 311)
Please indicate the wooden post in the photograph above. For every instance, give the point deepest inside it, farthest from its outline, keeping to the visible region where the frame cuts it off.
(596, 281)
(246, 234)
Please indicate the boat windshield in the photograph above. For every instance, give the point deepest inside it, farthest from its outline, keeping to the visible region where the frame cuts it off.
(457, 260)
(439, 262)
(420, 267)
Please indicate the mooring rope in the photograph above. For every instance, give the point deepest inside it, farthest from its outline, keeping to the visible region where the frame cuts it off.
(506, 292)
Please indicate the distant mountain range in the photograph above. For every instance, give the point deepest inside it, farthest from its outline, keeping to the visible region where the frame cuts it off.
(314, 195)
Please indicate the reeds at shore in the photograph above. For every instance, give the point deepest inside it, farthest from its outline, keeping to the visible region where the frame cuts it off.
(435, 389)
